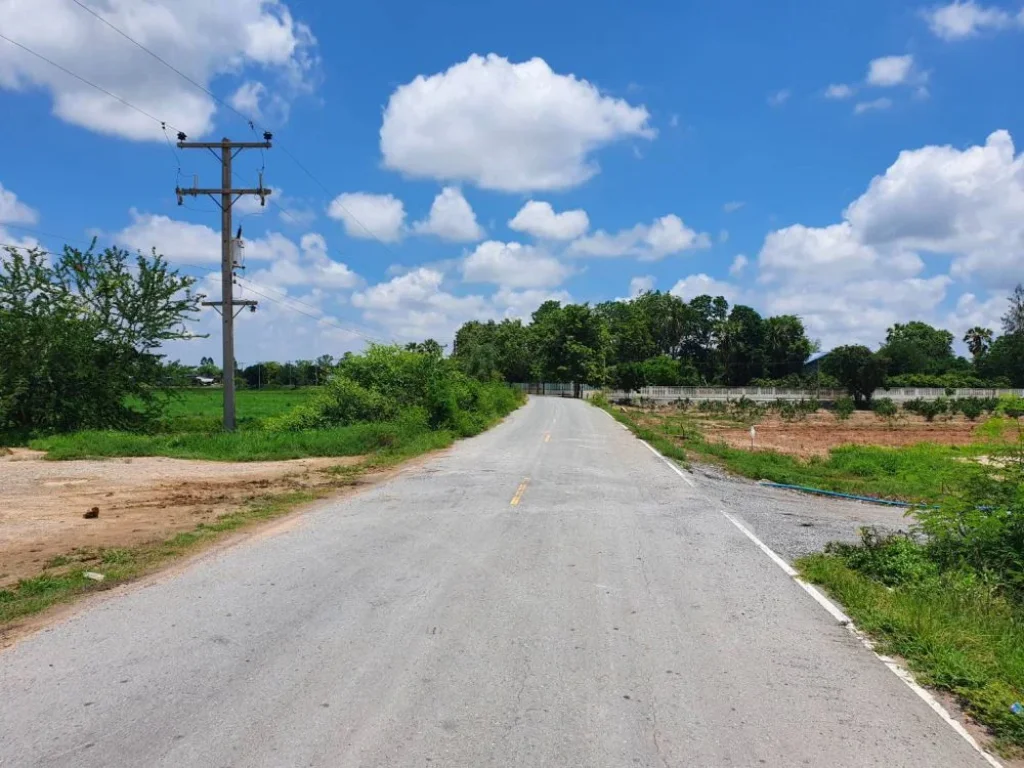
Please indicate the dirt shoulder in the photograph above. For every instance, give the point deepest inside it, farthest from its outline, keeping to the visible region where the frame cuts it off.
(139, 500)
(820, 432)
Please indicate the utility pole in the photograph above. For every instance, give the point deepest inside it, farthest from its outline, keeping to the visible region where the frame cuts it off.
(225, 197)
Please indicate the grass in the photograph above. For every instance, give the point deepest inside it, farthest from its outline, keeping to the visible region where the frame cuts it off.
(251, 445)
(955, 634)
(919, 473)
(201, 409)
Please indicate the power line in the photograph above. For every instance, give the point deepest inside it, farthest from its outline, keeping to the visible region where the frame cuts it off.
(101, 89)
(249, 120)
(318, 318)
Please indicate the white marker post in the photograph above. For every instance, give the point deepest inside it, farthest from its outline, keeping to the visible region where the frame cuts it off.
(753, 434)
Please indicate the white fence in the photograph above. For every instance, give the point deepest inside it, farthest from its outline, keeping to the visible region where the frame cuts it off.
(757, 394)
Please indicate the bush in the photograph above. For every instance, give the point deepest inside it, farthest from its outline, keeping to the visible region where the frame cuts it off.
(894, 559)
(844, 407)
(390, 384)
(971, 407)
(981, 527)
(884, 408)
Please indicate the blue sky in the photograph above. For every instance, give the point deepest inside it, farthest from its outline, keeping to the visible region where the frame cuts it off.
(473, 159)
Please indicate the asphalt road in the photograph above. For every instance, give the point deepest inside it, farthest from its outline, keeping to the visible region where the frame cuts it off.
(547, 594)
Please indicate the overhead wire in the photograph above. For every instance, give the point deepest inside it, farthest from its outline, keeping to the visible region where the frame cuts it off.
(67, 71)
(250, 121)
(164, 124)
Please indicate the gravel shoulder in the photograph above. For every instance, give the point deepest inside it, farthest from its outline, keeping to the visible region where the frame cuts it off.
(795, 524)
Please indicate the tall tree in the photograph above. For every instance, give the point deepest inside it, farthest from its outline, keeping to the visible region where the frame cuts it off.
(1013, 320)
(786, 346)
(917, 347)
(978, 341)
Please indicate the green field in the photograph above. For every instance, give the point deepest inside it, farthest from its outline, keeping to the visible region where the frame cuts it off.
(202, 408)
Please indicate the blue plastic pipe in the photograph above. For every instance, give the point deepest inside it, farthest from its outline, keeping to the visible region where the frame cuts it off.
(820, 492)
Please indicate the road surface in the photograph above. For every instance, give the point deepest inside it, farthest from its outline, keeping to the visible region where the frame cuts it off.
(549, 593)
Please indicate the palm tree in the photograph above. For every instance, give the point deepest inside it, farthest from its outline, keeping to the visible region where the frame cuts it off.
(978, 340)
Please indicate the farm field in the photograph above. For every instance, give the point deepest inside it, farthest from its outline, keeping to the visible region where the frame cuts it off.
(904, 458)
(820, 432)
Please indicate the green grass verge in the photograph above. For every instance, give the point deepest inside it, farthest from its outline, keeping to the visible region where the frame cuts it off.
(920, 473)
(955, 634)
(251, 445)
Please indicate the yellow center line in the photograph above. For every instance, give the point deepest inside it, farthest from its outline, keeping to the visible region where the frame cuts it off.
(519, 492)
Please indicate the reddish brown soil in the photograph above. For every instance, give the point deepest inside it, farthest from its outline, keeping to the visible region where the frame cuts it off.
(820, 432)
(139, 499)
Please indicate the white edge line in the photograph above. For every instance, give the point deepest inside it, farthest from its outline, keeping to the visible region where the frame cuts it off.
(836, 613)
(670, 463)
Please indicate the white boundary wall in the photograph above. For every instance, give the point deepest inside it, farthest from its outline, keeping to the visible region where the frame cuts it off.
(757, 394)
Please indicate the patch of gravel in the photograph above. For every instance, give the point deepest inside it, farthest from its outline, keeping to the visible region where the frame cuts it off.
(794, 524)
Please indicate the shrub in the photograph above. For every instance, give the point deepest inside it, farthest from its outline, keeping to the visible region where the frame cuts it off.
(971, 407)
(390, 384)
(894, 559)
(844, 407)
(981, 527)
(884, 408)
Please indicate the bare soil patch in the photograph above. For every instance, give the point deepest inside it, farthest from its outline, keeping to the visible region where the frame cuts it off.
(139, 499)
(820, 432)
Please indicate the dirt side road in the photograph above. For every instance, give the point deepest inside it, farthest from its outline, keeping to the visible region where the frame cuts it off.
(139, 499)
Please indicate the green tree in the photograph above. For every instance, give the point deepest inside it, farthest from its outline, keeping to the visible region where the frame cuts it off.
(741, 346)
(978, 341)
(571, 343)
(1013, 320)
(79, 337)
(917, 347)
(786, 346)
(857, 369)
(1005, 360)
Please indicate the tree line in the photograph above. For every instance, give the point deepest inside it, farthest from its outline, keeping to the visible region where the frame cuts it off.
(916, 354)
(658, 339)
(655, 339)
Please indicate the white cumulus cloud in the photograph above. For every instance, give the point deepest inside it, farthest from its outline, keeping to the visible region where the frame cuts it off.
(206, 40)
(451, 218)
(539, 219)
(875, 105)
(663, 237)
(701, 284)
(639, 285)
(13, 211)
(888, 71)
(739, 265)
(960, 20)
(368, 216)
(853, 279)
(503, 125)
(839, 91)
(513, 265)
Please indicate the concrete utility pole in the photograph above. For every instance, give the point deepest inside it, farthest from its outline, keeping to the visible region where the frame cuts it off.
(225, 197)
